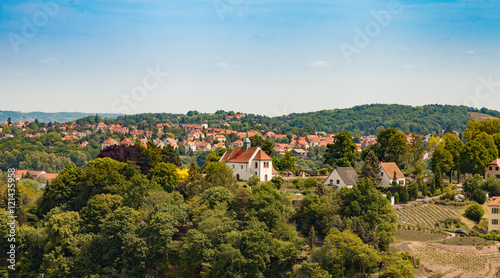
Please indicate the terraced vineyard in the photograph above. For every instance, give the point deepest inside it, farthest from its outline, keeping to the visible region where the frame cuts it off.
(455, 261)
(426, 214)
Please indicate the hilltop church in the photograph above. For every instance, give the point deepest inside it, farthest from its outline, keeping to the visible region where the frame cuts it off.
(247, 161)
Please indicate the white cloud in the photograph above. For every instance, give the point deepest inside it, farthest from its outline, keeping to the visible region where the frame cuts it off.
(319, 64)
(470, 52)
(50, 61)
(225, 66)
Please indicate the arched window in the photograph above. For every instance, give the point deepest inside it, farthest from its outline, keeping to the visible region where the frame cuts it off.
(237, 177)
(256, 165)
(265, 178)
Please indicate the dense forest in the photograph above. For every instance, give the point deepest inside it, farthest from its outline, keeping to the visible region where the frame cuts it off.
(120, 219)
(368, 119)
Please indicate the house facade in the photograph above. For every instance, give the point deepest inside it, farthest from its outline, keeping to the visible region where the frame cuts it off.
(342, 177)
(494, 215)
(387, 174)
(247, 161)
(493, 169)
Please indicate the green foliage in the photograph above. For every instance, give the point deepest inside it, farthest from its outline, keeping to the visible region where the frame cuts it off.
(345, 254)
(217, 195)
(474, 158)
(343, 153)
(253, 180)
(478, 196)
(219, 174)
(474, 212)
(264, 144)
(286, 163)
(165, 174)
(392, 146)
(371, 168)
(277, 181)
(367, 204)
(269, 205)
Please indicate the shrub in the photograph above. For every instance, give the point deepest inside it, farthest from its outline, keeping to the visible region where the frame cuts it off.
(253, 180)
(474, 212)
(478, 196)
(277, 181)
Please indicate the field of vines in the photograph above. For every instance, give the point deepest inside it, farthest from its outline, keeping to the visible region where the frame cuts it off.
(426, 214)
(466, 263)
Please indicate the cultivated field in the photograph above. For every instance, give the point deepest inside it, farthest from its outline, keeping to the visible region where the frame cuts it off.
(454, 261)
(427, 215)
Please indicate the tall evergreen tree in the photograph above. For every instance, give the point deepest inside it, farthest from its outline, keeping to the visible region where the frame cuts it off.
(371, 168)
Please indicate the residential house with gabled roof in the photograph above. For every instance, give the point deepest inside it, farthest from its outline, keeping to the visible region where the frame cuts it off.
(108, 142)
(247, 161)
(101, 125)
(218, 146)
(387, 172)
(342, 177)
(127, 142)
(237, 143)
(493, 169)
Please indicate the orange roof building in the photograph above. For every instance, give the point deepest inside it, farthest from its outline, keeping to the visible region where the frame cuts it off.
(247, 161)
(387, 170)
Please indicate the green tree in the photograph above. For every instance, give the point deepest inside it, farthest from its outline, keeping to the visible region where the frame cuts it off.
(454, 146)
(170, 155)
(392, 146)
(165, 174)
(219, 174)
(345, 255)
(479, 196)
(343, 152)
(441, 162)
(474, 158)
(371, 168)
(264, 144)
(474, 212)
(269, 205)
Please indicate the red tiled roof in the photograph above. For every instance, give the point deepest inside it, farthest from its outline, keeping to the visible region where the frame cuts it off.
(49, 176)
(495, 162)
(261, 155)
(239, 155)
(391, 167)
(110, 141)
(495, 202)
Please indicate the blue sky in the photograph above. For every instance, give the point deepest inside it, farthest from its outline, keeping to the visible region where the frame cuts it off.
(267, 57)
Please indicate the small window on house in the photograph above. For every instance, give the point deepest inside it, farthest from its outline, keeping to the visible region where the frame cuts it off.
(381, 174)
(241, 166)
(256, 172)
(338, 181)
(491, 168)
(233, 166)
(256, 165)
(401, 182)
(494, 210)
(494, 221)
(496, 168)
(331, 181)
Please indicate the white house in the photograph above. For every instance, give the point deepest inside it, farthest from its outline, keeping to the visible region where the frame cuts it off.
(387, 170)
(342, 177)
(247, 161)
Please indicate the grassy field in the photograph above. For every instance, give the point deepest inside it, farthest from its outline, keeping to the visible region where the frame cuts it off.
(480, 116)
(466, 241)
(402, 235)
